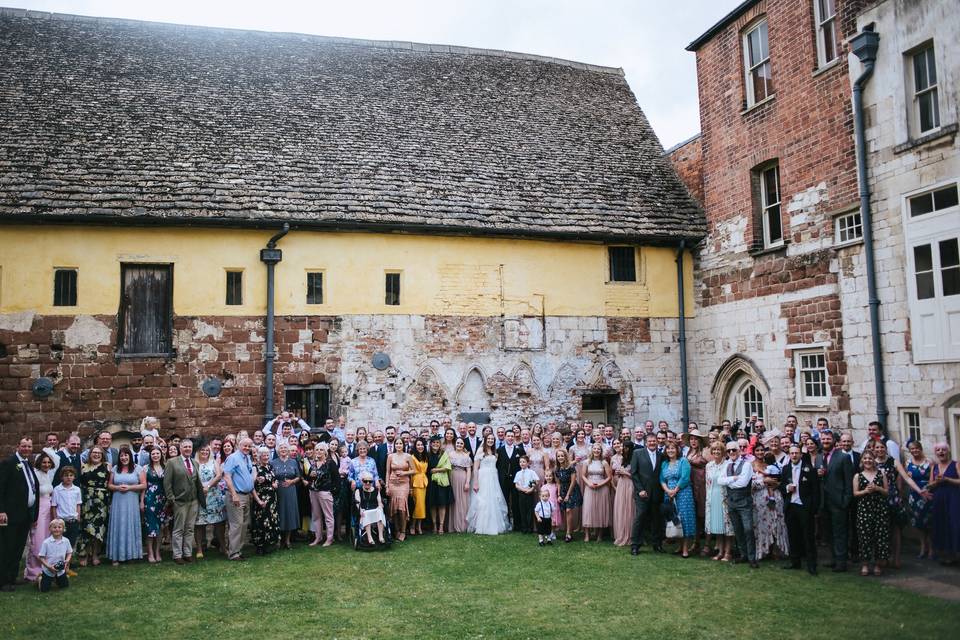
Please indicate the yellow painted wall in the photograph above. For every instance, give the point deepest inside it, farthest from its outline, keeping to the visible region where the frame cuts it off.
(440, 275)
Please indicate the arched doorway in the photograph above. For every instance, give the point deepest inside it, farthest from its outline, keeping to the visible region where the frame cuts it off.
(739, 390)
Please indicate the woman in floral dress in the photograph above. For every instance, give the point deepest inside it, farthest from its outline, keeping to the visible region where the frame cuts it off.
(264, 519)
(153, 502)
(96, 505)
(769, 524)
(871, 490)
(213, 513)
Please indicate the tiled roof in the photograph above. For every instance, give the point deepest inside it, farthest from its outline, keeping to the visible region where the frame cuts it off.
(104, 119)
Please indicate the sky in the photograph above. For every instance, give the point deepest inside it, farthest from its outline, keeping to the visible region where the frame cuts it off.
(646, 38)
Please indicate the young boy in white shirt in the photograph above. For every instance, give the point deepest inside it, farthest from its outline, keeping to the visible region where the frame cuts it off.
(65, 505)
(55, 553)
(525, 482)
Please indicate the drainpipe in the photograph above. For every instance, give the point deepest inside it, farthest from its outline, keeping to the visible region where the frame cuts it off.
(270, 256)
(864, 45)
(682, 321)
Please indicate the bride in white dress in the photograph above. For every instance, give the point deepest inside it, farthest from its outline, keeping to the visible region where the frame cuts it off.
(488, 513)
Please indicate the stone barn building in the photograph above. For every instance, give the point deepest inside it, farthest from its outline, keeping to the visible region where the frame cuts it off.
(471, 232)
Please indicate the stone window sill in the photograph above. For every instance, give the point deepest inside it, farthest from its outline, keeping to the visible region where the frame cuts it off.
(780, 248)
(144, 356)
(848, 243)
(948, 131)
(833, 64)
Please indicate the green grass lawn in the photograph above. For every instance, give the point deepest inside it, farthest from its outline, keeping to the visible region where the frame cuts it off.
(464, 586)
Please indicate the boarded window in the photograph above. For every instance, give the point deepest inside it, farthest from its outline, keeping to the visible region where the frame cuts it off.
(309, 403)
(65, 288)
(234, 287)
(146, 309)
(623, 266)
(315, 287)
(393, 289)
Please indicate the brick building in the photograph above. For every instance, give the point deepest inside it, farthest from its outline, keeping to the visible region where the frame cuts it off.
(471, 232)
(778, 168)
(781, 323)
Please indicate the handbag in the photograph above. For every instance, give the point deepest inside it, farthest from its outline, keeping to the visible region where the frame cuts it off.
(671, 515)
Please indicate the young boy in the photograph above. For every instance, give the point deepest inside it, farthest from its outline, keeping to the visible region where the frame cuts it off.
(55, 553)
(525, 481)
(544, 515)
(65, 505)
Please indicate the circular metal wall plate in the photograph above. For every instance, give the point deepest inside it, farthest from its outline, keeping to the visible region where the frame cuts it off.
(381, 361)
(42, 387)
(212, 387)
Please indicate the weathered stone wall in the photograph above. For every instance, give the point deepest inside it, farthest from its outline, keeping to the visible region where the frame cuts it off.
(441, 365)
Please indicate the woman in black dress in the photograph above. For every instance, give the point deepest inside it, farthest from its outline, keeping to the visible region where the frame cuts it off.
(871, 488)
(264, 521)
(569, 495)
(439, 493)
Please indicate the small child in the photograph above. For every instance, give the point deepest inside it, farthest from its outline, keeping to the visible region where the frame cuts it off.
(65, 504)
(55, 553)
(550, 484)
(525, 482)
(772, 471)
(371, 508)
(543, 512)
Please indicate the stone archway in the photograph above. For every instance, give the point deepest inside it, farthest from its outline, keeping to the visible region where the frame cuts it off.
(739, 390)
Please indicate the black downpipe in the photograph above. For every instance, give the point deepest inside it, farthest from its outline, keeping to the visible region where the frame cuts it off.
(864, 45)
(270, 256)
(682, 338)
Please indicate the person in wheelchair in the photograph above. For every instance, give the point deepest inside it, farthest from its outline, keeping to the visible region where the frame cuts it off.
(370, 506)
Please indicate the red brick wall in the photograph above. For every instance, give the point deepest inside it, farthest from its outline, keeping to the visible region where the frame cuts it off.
(807, 322)
(769, 274)
(808, 126)
(687, 161)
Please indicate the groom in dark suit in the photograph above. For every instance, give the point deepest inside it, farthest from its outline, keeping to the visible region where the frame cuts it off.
(508, 464)
(836, 476)
(800, 486)
(19, 507)
(647, 495)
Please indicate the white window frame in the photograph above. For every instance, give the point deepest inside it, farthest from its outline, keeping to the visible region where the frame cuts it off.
(824, 23)
(766, 206)
(803, 399)
(849, 222)
(749, 68)
(907, 417)
(930, 318)
(929, 52)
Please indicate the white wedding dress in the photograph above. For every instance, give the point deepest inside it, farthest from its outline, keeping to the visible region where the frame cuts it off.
(488, 513)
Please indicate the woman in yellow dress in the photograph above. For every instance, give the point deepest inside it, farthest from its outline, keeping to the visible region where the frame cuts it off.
(418, 486)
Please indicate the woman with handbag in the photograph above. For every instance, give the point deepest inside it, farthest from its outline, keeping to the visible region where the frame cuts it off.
(675, 480)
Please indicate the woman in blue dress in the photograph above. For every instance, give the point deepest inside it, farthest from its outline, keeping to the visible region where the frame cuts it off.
(918, 469)
(212, 513)
(286, 470)
(154, 503)
(675, 480)
(123, 535)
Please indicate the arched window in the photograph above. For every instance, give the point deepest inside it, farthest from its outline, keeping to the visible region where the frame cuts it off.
(752, 400)
(739, 390)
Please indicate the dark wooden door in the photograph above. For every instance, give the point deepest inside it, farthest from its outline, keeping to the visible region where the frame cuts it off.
(146, 309)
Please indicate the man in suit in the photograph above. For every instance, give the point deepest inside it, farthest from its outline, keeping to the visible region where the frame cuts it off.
(508, 464)
(181, 484)
(647, 495)
(473, 440)
(846, 445)
(69, 457)
(104, 440)
(800, 486)
(379, 452)
(836, 476)
(19, 507)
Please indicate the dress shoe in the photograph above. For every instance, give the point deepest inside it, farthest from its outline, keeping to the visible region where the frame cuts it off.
(634, 550)
(812, 571)
(840, 568)
(754, 565)
(188, 559)
(179, 561)
(788, 567)
(658, 549)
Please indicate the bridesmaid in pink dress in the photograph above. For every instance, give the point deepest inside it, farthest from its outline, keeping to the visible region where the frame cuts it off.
(624, 507)
(460, 482)
(537, 456)
(550, 484)
(44, 470)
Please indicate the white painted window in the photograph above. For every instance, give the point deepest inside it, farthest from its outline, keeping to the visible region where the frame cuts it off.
(932, 232)
(813, 386)
(770, 206)
(756, 60)
(910, 425)
(752, 401)
(825, 14)
(848, 228)
(926, 105)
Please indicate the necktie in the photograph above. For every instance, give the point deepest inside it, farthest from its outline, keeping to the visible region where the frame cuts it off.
(730, 470)
(186, 463)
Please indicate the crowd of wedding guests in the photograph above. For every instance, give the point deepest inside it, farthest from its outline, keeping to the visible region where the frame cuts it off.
(737, 493)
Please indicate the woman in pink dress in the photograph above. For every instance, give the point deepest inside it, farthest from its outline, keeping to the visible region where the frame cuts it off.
(43, 466)
(595, 476)
(550, 484)
(624, 507)
(698, 480)
(460, 483)
(537, 456)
